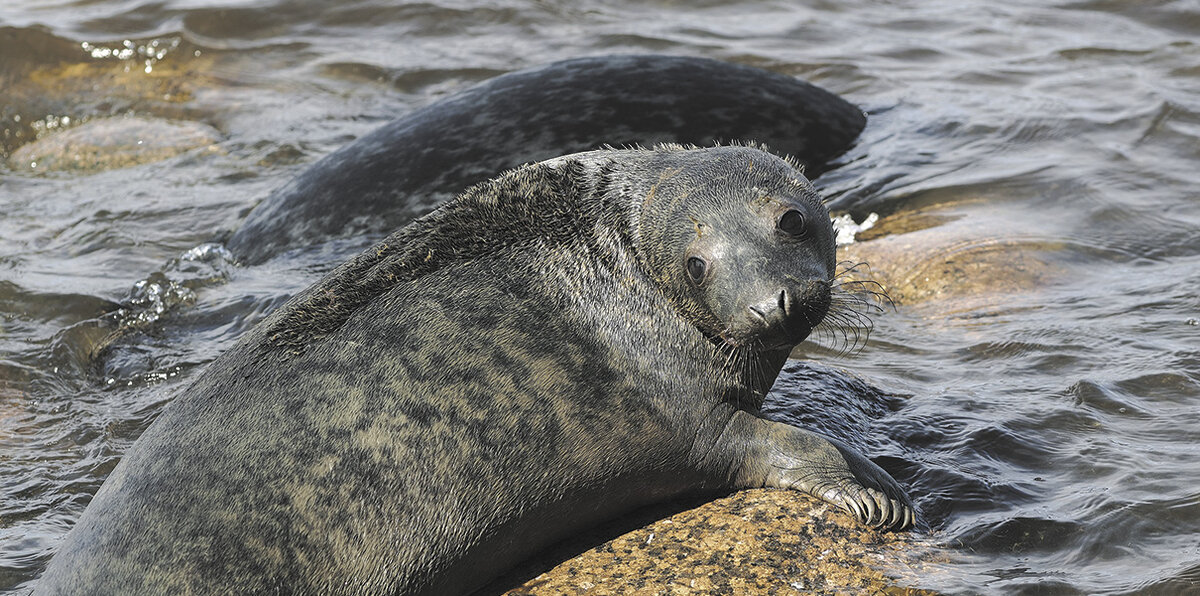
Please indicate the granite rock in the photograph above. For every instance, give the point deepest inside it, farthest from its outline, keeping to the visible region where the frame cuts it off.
(758, 541)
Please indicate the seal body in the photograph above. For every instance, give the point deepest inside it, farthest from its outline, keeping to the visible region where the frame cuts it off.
(568, 342)
(401, 170)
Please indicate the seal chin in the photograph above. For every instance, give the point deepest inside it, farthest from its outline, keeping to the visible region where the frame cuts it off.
(765, 338)
(772, 342)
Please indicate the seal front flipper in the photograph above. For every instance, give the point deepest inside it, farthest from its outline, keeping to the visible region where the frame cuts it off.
(777, 455)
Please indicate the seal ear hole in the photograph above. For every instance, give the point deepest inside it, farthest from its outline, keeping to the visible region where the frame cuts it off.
(793, 223)
(696, 268)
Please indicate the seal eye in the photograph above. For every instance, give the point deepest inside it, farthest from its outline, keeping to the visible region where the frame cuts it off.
(696, 268)
(792, 222)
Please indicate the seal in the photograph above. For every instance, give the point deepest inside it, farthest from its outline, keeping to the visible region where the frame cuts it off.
(405, 168)
(555, 347)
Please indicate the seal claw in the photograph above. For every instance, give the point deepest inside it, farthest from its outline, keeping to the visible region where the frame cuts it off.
(805, 461)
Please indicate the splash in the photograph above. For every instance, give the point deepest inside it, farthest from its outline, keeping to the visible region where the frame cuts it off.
(846, 228)
(133, 53)
(175, 284)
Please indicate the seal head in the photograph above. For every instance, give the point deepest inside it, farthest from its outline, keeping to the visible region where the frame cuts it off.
(750, 270)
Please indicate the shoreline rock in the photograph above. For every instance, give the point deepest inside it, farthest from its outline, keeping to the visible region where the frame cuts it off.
(111, 143)
(757, 541)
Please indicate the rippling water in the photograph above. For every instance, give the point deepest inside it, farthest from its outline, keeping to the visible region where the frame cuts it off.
(1047, 423)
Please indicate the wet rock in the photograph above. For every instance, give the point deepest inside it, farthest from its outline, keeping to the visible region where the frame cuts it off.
(751, 542)
(51, 82)
(111, 143)
(949, 256)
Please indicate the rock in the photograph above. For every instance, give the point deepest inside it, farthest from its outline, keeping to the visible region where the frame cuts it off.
(751, 542)
(111, 143)
(949, 257)
(51, 83)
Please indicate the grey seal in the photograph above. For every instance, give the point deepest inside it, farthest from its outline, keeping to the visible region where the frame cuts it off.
(406, 167)
(558, 346)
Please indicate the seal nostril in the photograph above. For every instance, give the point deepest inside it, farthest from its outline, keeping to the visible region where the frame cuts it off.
(757, 312)
(783, 302)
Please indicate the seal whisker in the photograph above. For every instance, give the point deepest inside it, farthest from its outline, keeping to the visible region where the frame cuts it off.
(832, 339)
(852, 323)
(852, 302)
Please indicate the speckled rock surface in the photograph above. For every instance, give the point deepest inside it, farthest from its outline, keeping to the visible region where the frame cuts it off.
(751, 542)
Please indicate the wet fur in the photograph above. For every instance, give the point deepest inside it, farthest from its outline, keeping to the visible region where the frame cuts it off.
(401, 170)
(483, 383)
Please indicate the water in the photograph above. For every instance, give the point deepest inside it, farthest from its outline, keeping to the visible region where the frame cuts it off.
(1046, 424)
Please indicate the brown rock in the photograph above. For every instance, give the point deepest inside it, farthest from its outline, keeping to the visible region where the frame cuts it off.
(51, 83)
(111, 143)
(950, 257)
(751, 542)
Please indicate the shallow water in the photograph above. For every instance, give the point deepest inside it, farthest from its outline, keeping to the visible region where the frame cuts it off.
(1048, 431)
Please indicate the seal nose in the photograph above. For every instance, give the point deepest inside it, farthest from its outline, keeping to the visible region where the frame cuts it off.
(790, 312)
(773, 311)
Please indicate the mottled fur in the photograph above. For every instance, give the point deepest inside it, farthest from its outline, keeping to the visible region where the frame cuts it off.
(536, 204)
(403, 169)
(525, 362)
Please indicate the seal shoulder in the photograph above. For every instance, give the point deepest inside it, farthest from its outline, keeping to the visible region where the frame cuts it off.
(536, 203)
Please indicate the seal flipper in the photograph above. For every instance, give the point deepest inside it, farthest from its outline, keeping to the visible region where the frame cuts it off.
(777, 455)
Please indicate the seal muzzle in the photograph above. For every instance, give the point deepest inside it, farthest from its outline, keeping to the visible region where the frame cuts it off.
(783, 319)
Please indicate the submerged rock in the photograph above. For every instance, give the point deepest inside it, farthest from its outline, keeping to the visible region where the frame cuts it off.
(111, 143)
(950, 257)
(52, 83)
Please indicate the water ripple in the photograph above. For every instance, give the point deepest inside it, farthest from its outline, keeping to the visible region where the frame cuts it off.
(1047, 430)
